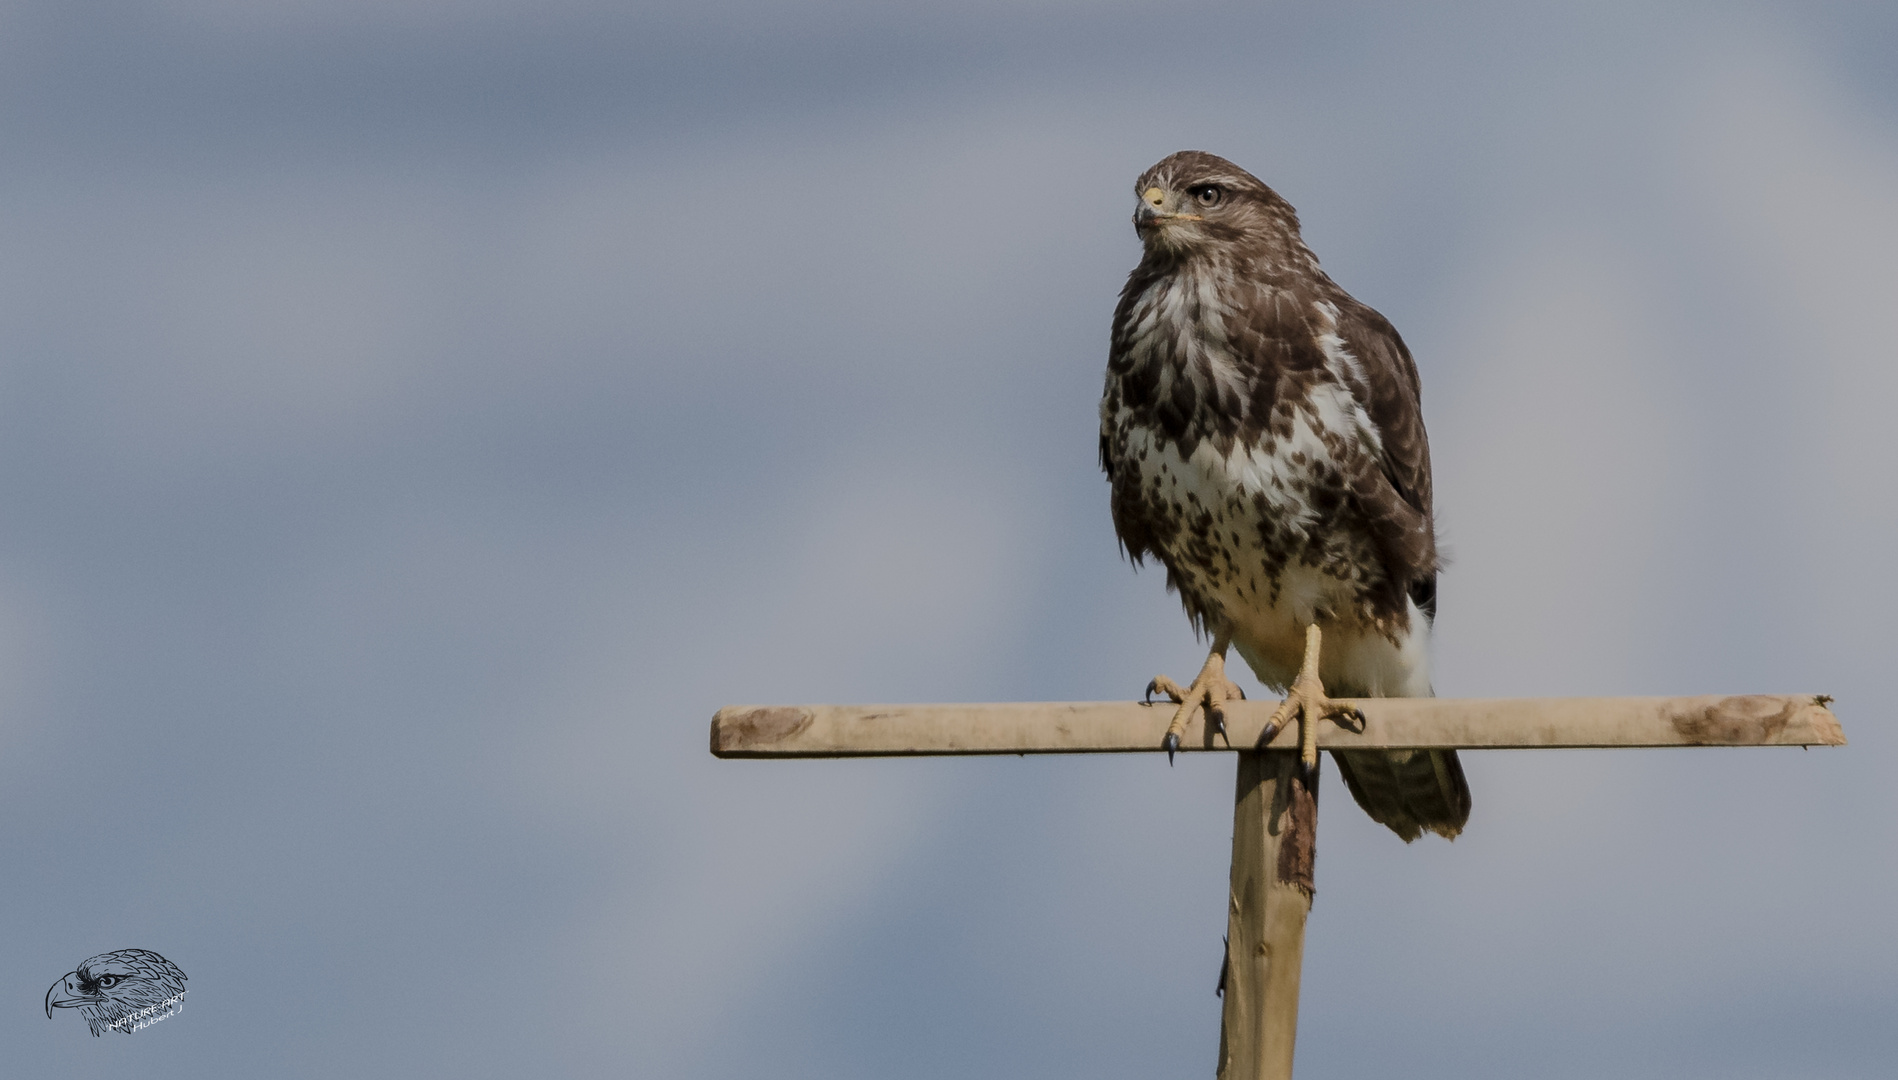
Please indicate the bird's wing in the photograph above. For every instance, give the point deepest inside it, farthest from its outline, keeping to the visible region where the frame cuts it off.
(1410, 791)
(1395, 496)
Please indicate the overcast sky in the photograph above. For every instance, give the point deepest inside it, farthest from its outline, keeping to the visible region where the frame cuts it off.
(419, 417)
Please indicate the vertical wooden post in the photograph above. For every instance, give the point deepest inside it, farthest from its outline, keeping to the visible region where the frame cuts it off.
(1274, 829)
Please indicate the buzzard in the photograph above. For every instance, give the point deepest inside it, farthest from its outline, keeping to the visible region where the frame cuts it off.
(1263, 435)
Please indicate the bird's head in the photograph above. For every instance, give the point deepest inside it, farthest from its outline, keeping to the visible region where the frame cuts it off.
(112, 986)
(1193, 200)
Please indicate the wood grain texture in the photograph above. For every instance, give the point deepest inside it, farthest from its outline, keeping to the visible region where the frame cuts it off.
(1274, 831)
(740, 731)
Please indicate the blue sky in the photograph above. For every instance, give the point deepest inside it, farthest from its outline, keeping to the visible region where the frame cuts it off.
(420, 417)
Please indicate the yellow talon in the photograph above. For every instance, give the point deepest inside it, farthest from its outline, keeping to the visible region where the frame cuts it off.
(1210, 689)
(1306, 699)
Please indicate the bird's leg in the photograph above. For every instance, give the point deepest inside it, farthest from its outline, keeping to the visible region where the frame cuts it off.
(1306, 698)
(1210, 689)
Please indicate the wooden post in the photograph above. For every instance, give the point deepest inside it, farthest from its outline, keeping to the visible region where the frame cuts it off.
(1275, 813)
(1274, 829)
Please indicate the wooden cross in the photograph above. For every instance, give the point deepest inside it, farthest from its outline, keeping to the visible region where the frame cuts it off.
(1274, 824)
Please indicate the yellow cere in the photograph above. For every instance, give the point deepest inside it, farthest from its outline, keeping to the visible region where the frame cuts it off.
(1153, 195)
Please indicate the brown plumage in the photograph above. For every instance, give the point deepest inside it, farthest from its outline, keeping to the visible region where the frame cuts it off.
(1263, 434)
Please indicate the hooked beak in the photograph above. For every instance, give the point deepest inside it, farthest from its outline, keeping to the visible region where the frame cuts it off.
(64, 994)
(1156, 208)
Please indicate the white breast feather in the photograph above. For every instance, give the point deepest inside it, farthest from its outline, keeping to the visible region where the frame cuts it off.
(1268, 629)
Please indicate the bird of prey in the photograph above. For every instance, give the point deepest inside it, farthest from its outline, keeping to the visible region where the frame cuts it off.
(1263, 435)
(117, 990)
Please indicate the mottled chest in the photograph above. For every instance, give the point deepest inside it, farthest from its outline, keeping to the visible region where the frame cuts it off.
(1233, 441)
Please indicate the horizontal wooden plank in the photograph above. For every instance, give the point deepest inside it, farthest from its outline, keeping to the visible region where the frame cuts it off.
(1096, 727)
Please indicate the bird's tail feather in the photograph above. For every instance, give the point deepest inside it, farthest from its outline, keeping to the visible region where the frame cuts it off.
(1410, 791)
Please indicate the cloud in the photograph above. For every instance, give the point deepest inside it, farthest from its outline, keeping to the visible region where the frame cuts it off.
(421, 418)
(1801, 186)
(1558, 460)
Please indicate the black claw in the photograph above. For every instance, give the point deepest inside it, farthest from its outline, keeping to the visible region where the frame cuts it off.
(1147, 698)
(1171, 743)
(1217, 722)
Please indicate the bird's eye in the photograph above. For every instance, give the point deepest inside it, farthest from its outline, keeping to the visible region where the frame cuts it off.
(108, 981)
(1206, 195)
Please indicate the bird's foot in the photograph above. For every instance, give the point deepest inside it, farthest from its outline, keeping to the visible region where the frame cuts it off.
(1211, 690)
(1307, 701)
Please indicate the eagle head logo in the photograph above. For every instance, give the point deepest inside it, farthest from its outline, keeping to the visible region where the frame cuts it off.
(117, 990)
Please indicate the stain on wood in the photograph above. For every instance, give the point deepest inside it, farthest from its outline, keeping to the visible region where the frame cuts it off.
(1740, 720)
(747, 728)
(1295, 820)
